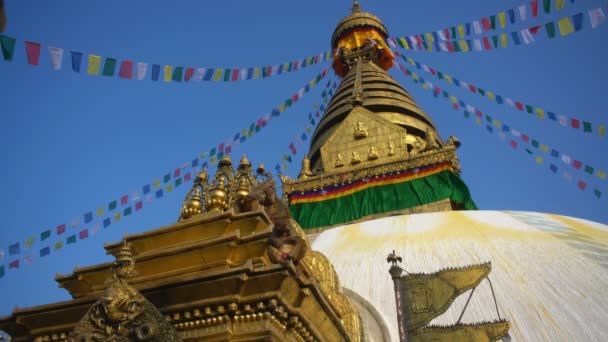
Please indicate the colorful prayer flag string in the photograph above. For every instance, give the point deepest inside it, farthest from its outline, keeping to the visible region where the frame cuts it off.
(513, 16)
(492, 124)
(565, 26)
(538, 112)
(134, 201)
(128, 68)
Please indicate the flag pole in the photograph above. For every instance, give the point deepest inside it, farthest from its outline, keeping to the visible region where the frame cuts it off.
(395, 272)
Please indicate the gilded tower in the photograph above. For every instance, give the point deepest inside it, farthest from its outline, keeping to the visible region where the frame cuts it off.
(375, 152)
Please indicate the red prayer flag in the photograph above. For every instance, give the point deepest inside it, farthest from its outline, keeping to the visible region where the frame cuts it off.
(472, 88)
(582, 185)
(60, 229)
(575, 123)
(228, 149)
(83, 234)
(577, 164)
(525, 138)
(176, 172)
(433, 71)
(519, 105)
(33, 52)
(486, 24)
(450, 46)
(296, 65)
(138, 205)
(316, 60)
(437, 90)
(14, 264)
(220, 147)
(292, 148)
(513, 143)
(124, 199)
(534, 29)
(446, 32)
(478, 113)
(268, 70)
(534, 6)
(486, 43)
(126, 69)
(235, 74)
(294, 98)
(455, 106)
(189, 73)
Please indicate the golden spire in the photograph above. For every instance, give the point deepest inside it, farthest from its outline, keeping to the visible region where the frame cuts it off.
(124, 266)
(217, 197)
(305, 172)
(244, 161)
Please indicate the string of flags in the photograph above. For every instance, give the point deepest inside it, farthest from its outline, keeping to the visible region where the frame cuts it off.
(23, 252)
(502, 128)
(515, 15)
(540, 113)
(96, 65)
(565, 26)
(313, 117)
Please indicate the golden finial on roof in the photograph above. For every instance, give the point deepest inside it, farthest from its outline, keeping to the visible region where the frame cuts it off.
(261, 169)
(242, 189)
(225, 161)
(203, 175)
(356, 7)
(244, 161)
(305, 172)
(124, 266)
(217, 196)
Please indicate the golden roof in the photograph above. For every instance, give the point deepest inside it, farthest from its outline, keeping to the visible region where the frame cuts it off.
(357, 19)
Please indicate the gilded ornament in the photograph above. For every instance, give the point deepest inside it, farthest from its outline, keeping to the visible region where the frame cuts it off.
(373, 155)
(391, 148)
(355, 159)
(339, 162)
(360, 130)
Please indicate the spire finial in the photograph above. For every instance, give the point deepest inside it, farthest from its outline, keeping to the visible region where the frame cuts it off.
(356, 6)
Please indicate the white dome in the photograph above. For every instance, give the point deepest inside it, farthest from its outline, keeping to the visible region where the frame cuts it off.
(550, 272)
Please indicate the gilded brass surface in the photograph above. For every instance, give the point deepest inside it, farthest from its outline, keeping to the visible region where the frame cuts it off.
(477, 332)
(357, 18)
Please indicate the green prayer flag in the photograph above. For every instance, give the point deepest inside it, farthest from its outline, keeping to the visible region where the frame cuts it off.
(58, 245)
(128, 209)
(45, 235)
(112, 205)
(177, 74)
(589, 169)
(453, 29)
(71, 239)
(445, 94)
(212, 152)
(488, 118)
(456, 46)
(547, 6)
(29, 242)
(493, 22)
(550, 27)
(530, 109)
(481, 92)
(495, 41)
(257, 128)
(466, 114)
(597, 193)
(1, 271)
(288, 103)
(439, 75)
(227, 73)
(109, 66)
(290, 67)
(586, 126)
(178, 182)
(264, 72)
(220, 155)
(8, 47)
(535, 143)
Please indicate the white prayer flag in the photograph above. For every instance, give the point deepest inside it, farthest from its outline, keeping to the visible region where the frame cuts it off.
(515, 133)
(243, 74)
(470, 108)
(527, 36)
(522, 12)
(142, 68)
(443, 47)
(597, 17)
(56, 55)
(566, 159)
(392, 43)
(477, 27)
(300, 93)
(502, 136)
(441, 35)
(510, 102)
(563, 121)
(464, 85)
(477, 45)
(567, 176)
(199, 74)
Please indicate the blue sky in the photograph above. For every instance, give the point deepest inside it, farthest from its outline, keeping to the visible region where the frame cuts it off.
(73, 142)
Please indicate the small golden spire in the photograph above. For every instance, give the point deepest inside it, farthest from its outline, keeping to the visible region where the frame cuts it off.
(217, 200)
(355, 159)
(261, 169)
(124, 266)
(356, 7)
(242, 189)
(225, 161)
(203, 175)
(305, 172)
(244, 161)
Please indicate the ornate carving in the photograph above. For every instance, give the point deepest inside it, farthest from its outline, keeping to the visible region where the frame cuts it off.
(355, 159)
(122, 314)
(360, 130)
(305, 172)
(339, 162)
(391, 148)
(373, 155)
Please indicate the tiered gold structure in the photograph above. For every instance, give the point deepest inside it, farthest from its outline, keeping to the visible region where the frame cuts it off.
(210, 275)
(372, 127)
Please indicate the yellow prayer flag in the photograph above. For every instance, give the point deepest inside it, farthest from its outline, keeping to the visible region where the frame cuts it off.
(169, 187)
(540, 113)
(461, 30)
(478, 121)
(284, 166)
(117, 217)
(447, 78)
(256, 75)
(167, 73)
(415, 76)
(601, 174)
(281, 108)
(213, 160)
(559, 4)
(411, 61)
(490, 95)
(218, 74)
(404, 42)
(602, 130)
(429, 37)
(539, 159)
(496, 123)
(502, 19)
(94, 63)
(464, 47)
(425, 86)
(565, 26)
(503, 40)
(156, 183)
(544, 148)
(285, 67)
(100, 211)
(454, 99)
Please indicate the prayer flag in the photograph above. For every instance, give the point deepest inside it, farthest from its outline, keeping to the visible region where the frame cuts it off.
(126, 69)
(534, 8)
(477, 45)
(187, 177)
(88, 217)
(167, 73)
(597, 193)
(76, 60)
(565, 26)
(486, 24)
(189, 73)
(575, 123)
(559, 4)
(177, 74)
(522, 12)
(139, 204)
(577, 164)
(127, 211)
(117, 217)
(109, 67)
(71, 239)
(502, 19)
(83, 234)
(547, 6)
(511, 14)
(29, 242)
(8, 47)
(582, 185)
(199, 74)
(589, 169)
(56, 55)
(14, 249)
(159, 193)
(2, 271)
(106, 222)
(33, 52)
(45, 235)
(208, 74)
(45, 251)
(218, 74)
(141, 70)
(477, 27)
(13, 264)
(124, 199)
(586, 126)
(597, 17)
(94, 63)
(578, 21)
(550, 27)
(75, 222)
(60, 229)
(515, 36)
(155, 72)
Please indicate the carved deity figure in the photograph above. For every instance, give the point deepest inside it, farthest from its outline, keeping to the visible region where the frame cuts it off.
(391, 148)
(372, 153)
(355, 159)
(360, 130)
(285, 244)
(339, 162)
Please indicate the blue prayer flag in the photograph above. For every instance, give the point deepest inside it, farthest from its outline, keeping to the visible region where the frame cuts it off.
(277, 167)
(437, 47)
(456, 83)
(88, 217)
(304, 137)
(468, 28)
(243, 138)
(208, 74)
(461, 103)
(553, 168)
(307, 88)
(498, 99)
(146, 189)
(250, 72)
(45, 251)
(106, 222)
(14, 249)
(515, 35)
(76, 60)
(236, 136)
(554, 153)
(578, 21)
(506, 128)
(155, 72)
(195, 162)
(159, 193)
(275, 112)
(552, 116)
(204, 165)
(489, 128)
(435, 37)
(511, 13)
